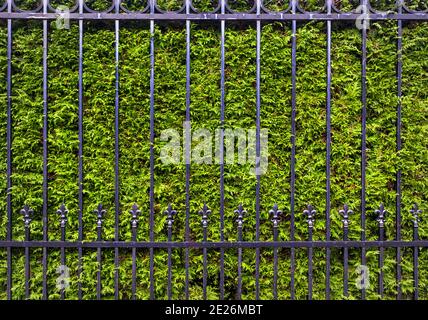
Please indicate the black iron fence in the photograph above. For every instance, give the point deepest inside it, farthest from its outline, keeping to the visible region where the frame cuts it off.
(223, 13)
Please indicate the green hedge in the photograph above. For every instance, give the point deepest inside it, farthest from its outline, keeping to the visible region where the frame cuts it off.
(170, 73)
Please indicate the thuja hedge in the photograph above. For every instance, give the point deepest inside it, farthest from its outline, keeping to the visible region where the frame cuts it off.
(240, 97)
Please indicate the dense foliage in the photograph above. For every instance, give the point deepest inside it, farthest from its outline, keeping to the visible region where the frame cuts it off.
(170, 105)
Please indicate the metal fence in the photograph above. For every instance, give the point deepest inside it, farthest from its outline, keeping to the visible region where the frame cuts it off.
(222, 14)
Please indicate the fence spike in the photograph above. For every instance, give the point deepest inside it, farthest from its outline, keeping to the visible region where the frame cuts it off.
(310, 213)
(345, 212)
(276, 215)
(381, 215)
(62, 212)
(27, 212)
(204, 212)
(100, 215)
(415, 211)
(135, 213)
(170, 212)
(240, 212)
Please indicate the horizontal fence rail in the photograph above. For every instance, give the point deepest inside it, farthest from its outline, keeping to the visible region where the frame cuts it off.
(223, 13)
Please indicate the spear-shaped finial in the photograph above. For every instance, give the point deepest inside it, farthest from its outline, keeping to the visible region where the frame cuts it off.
(276, 215)
(170, 212)
(310, 213)
(135, 213)
(100, 215)
(27, 213)
(415, 211)
(345, 212)
(62, 212)
(240, 212)
(381, 215)
(205, 212)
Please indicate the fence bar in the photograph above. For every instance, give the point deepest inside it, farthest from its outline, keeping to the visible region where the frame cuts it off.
(240, 222)
(217, 244)
(45, 150)
(100, 214)
(187, 150)
(62, 212)
(205, 212)
(328, 155)
(221, 144)
(415, 212)
(381, 212)
(116, 153)
(310, 213)
(276, 216)
(345, 213)
(257, 162)
(244, 17)
(9, 152)
(363, 141)
(169, 219)
(27, 213)
(135, 213)
(293, 145)
(345, 265)
(152, 141)
(398, 142)
(80, 178)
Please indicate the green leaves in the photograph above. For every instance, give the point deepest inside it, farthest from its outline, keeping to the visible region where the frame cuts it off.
(240, 112)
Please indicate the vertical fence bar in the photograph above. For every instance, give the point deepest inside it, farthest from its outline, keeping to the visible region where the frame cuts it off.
(80, 178)
(187, 149)
(345, 214)
(62, 212)
(135, 213)
(381, 213)
(398, 142)
(415, 212)
(169, 220)
(116, 153)
(9, 151)
(27, 214)
(152, 141)
(293, 144)
(45, 149)
(328, 152)
(310, 213)
(240, 223)
(100, 214)
(257, 162)
(363, 139)
(276, 217)
(205, 212)
(221, 144)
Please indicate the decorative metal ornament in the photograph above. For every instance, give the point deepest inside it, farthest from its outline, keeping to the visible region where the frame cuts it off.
(310, 213)
(27, 213)
(276, 215)
(205, 212)
(135, 213)
(240, 212)
(100, 215)
(345, 212)
(62, 212)
(415, 212)
(169, 212)
(381, 215)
